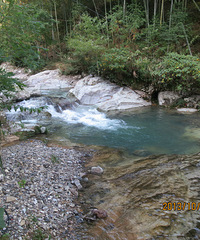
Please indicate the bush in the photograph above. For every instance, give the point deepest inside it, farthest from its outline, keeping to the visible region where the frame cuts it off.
(177, 72)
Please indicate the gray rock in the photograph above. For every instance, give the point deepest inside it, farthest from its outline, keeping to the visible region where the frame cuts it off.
(167, 98)
(105, 95)
(78, 184)
(96, 170)
(1, 177)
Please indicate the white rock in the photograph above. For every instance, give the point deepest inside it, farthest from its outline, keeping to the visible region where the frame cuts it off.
(1, 177)
(187, 110)
(167, 98)
(47, 80)
(105, 95)
(96, 170)
(43, 130)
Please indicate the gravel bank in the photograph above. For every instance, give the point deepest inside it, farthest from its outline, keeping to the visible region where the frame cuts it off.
(39, 189)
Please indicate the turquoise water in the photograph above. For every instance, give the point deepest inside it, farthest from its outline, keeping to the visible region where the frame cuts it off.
(152, 130)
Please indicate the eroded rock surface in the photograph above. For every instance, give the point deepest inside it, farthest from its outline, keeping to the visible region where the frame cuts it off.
(167, 98)
(141, 196)
(105, 95)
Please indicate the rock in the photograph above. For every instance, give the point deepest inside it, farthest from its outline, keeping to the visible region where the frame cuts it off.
(22, 223)
(43, 130)
(20, 73)
(95, 214)
(46, 80)
(78, 184)
(193, 101)
(10, 199)
(39, 129)
(11, 138)
(1, 177)
(105, 95)
(99, 213)
(167, 98)
(96, 170)
(187, 110)
(192, 132)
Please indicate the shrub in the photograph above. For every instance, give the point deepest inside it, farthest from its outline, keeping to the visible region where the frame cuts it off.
(177, 72)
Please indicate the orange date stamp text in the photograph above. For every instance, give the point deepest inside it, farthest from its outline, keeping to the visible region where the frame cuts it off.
(181, 206)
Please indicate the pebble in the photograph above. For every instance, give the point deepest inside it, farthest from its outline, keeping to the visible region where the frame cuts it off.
(96, 170)
(45, 197)
(10, 199)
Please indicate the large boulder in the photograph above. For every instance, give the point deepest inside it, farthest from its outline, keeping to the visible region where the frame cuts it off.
(167, 98)
(105, 95)
(47, 80)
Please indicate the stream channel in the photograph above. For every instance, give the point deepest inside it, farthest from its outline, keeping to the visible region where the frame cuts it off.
(149, 156)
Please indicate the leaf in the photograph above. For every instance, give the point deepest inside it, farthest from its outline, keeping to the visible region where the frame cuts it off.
(2, 222)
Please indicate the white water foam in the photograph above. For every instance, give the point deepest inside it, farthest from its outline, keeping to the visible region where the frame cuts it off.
(87, 116)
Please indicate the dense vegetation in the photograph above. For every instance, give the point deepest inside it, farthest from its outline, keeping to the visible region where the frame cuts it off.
(131, 42)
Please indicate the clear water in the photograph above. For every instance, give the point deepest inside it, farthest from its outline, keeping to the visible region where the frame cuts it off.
(152, 130)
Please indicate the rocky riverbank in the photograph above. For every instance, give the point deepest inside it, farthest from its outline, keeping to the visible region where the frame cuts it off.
(39, 188)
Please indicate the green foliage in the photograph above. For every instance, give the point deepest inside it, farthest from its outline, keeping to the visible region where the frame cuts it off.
(124, 28)
(86, 45)
(116, 63)
(178, 72)
(2, 222)
(5, 237)
(54, 159)
(23, 29)
(22, 183)
(8, 83)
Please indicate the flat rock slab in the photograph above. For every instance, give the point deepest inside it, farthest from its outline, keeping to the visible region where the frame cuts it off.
(105, 95)
(187, 110)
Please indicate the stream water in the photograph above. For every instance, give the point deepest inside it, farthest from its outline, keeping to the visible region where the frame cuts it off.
(138, 175)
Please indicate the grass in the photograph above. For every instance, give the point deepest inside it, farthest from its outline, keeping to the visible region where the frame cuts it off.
(54, 159)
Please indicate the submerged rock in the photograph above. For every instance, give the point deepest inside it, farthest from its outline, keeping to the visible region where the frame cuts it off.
(105, 95)
(96, 170)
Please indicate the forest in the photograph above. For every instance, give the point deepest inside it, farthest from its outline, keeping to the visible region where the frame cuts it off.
(136, 43)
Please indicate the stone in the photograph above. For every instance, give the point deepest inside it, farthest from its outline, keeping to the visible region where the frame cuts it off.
(1, 177)
(43, 130)
(96, 170)
(167, 98)
(10, 199)
(11, 138)
(46, 80)
(105, 95)
(22, 223)
(99, 213)
(187, 110)
(78, 184)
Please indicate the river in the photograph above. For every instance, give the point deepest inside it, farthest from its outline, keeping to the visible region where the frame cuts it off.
(143, 153)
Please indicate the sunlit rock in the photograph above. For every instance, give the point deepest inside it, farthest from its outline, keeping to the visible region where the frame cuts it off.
(105, 95)
(187, 110)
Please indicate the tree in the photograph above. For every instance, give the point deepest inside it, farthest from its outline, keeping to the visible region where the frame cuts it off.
(23, 32)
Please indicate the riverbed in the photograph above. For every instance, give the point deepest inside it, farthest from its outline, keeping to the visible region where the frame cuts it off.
(150, 160)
